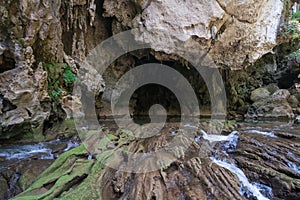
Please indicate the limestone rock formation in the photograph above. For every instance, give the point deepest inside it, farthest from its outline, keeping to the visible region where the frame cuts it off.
(23, 83)
(24, 97)
(34, 33)
(259, 93)
(271, 106)
(235, 34)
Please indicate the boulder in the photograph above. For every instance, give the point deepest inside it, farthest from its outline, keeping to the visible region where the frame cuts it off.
(272, 88)
(281, 94)
(259, 93)
(270, 108)
(293, 101)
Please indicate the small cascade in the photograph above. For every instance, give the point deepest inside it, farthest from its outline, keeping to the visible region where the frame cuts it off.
(247, 189)
(220, 138)
(71, 144)
(294, 167)
(13, 186)
(26, 151)
(41, 150)
(190, 126)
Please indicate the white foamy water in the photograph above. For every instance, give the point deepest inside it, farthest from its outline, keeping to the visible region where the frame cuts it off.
(219, 138)
(294, 167)
(42, 149)
(71, 144)
(26, 151)
(253, 188)
(269, 134)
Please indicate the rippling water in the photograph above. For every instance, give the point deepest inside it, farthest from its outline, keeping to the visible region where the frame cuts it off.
(41, 151)
(246, 186)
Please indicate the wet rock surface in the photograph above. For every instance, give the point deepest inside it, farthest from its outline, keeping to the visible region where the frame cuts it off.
(271, 154)
(260, 161)
(257, 163)
(21, 164)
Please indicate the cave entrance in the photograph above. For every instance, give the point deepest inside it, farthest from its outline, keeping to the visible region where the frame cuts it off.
(151, 94)
(148, 95)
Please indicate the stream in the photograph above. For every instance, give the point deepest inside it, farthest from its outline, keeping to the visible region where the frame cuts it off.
(16, 159)
(260, 155)
(41, 150)
(264, 156)
(247, 189)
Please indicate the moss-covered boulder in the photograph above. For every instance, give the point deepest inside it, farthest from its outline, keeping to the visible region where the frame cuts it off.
(69, 169)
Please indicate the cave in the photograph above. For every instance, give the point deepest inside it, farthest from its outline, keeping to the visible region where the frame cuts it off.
(148, 95)
(7, 61)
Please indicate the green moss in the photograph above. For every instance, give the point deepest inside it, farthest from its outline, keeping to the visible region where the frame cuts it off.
(33, 137)
(78, 169)
(65, 169)
(62, 174)
(106, 140)
(89, 188)
(73, 176)
(78, 151)
(125, 136)
(25, 181)
(68, 127)
(111, 137)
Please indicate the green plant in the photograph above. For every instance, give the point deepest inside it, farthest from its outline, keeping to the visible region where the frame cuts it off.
(60, 78)
(56, 93)
(69, 76)
(293, 54)
(296, 16)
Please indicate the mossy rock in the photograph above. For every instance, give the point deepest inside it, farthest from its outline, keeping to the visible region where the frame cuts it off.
(71, 176)
(68, 168)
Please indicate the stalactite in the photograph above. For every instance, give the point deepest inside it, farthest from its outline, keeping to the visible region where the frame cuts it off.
(92, 12)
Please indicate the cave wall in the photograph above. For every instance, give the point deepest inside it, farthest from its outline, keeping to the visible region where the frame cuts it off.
(235, 33)
(34, 33)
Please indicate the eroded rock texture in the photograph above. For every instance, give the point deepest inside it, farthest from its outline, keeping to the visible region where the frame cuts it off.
(235, 33)
(36, 32)
(268, 159)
